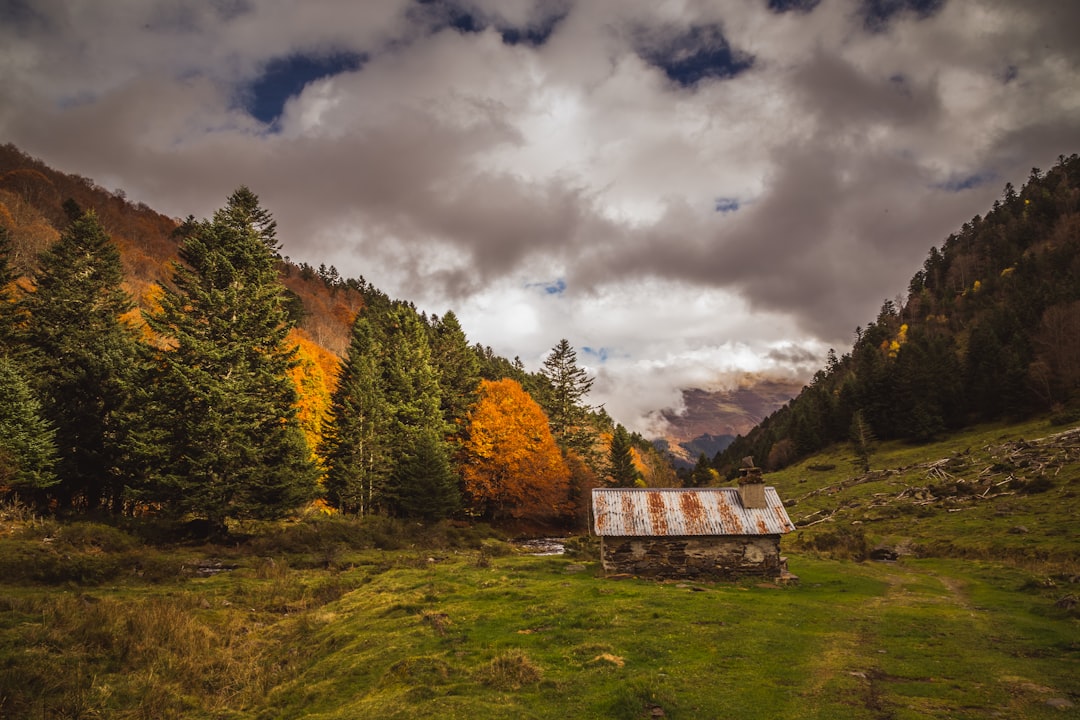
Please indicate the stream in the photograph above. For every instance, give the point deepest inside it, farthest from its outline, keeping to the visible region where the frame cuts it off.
(542, 546)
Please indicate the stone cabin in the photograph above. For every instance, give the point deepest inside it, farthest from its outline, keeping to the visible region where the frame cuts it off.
(708, 533)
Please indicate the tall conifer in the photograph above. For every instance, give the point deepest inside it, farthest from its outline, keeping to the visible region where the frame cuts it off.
(82, 357)
(355, 446)
(563, 400)
(27, 441)
(223, 439)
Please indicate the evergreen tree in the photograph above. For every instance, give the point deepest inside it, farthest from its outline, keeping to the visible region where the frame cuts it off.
(410, 387)
(8, 306)
(222, 437)
(424, 483)
(703, 473)
(27, 441)
(355, 447)
(862, 441)
(244, 214)
(458, 370)
(83, 358)
(621, 469)
(567, 385)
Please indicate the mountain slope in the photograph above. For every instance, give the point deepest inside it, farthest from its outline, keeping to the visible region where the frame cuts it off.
(711, 419)
(990, 329)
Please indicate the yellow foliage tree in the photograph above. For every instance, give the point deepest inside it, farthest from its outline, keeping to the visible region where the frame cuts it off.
(314, 376)
(512, 465)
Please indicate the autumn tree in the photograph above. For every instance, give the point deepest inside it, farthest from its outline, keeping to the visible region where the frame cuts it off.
(512, 465)
(222, 438)
(83, 358)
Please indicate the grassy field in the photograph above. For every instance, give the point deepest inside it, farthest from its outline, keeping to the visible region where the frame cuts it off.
(331, 618)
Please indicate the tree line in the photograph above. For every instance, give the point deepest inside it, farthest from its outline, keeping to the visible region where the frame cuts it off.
(989, 329)
(187, 409)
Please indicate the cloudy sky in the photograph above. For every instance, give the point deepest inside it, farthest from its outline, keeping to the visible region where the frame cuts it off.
(685, 190)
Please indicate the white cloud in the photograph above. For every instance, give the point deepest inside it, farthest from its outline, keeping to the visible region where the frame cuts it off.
(455, 169)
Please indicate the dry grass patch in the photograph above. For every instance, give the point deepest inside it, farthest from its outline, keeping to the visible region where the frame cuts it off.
(511, 670)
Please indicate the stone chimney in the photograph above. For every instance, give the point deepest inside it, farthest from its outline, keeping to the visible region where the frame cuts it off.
(751, 486)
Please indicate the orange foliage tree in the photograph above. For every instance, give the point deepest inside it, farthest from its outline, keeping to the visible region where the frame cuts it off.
(314, 375)
(512, 466)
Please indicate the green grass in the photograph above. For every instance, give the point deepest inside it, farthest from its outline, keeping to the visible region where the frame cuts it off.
(528, 637)
(338, 619)
(965, 505)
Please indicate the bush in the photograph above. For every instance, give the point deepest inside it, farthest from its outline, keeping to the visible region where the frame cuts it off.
(95, 536)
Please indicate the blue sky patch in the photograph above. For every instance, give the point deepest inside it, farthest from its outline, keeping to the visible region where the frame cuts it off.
(877, 14)
(600, 354)
(285, 77)
(701, 52)
(726, 205)
(534, 35)
(783, 6)
(959, 184)
(442, 14)
(553, 287)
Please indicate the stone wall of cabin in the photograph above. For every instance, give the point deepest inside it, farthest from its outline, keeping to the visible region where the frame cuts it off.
(724, 557)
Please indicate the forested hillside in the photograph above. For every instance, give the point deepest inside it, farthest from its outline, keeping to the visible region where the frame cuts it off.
(190, 370)
(990, 329)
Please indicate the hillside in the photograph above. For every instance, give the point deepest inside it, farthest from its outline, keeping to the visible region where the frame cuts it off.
(411, 382)
(989, 329)
(36, 202)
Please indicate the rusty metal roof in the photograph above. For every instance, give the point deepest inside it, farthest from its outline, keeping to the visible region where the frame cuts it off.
(651, 512)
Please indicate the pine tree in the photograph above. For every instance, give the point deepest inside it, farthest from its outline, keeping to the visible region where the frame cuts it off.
(621, 469)
(458, 370)
(862, 441)
(413, 397)
(424, 483)
(568, 384)
(703, 473)
(379, 449)
(83, 358)
(9, 309)
(27, 441)
(355, 447)
(223, 440)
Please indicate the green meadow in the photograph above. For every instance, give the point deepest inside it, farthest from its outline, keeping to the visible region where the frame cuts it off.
(337, 618)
